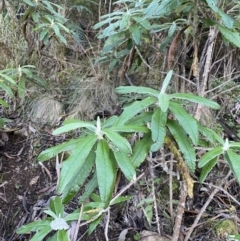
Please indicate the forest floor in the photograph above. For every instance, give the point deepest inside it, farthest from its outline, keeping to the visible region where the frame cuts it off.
(26, 188)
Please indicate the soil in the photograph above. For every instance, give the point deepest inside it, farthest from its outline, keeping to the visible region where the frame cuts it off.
(23, 182)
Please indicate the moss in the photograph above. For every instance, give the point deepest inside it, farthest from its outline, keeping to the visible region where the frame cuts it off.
(226, 227)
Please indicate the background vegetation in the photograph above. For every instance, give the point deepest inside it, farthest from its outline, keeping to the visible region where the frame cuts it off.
(149, 95)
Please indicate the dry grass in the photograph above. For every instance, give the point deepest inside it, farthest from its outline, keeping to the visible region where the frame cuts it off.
(46, 110)
(90, 96)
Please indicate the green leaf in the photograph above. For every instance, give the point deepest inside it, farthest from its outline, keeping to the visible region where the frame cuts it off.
(110, 30)
(227, 20)
(75, 216)
(207, 168)
(233, 144)
(183, 142)
(136, 32)
(3, 103)
(211, 135)
(106, 172)
(189, 124)
(166, 81)
(43, 34)
(141, 119)
(89, 188)
(233, 160)
(70, 190)
(113, 41)
(35, 16)
(151, 8)
(30, 3)
(7, 89)
(107, 20)
(120, 142)
(73, 165)
(50, 213)
(56, 30)
(56, 206)
(166, 41)
(137, 90)
(129, 128)
(213, 5)
(21, 87)
(124, 23)
(145, 23)
(34, 226)
(93, 225)
(209, 156)
(42, 25)
(195, 99)
(141, 150)
(158, 129)
(163, 100)
(41, 234)
(120, 200)
(232, 36)
(125, 165)
(53, 151)
(74, 124)
(167, 7)
(62, 235)
(62, 39)
(134, 109)
(109, 122)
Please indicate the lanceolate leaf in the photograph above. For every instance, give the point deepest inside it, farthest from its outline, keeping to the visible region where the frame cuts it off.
(233, 144)
(231, 35)
(137, 90)
(41, 234)
(72, 166)
(207, 168)
(140, 119)
(211, 135)
(7, 77)
(72, 188)
(166, 81)
(89, 188)
(125, 164)
(209, 156)
(133, 109)
(106, 172)
(56, 206)
(53, 151)
(163, 100)
(136, 32)
(227, 20)
(109, 122)
(62, 235)
(120, 142)
(129, 128)
(195, 99)
(141, 150)
(34, 226)
(183, 142)
(233, 160)
(73, 125)
(158, 128)
(94, 224)
(189, 124)
(21, 87)
(7, 89)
